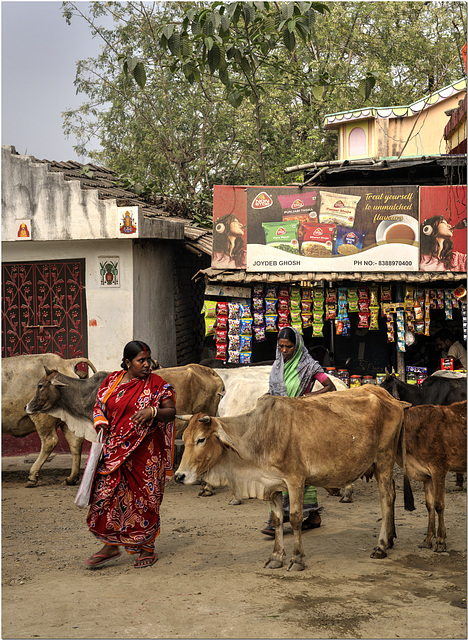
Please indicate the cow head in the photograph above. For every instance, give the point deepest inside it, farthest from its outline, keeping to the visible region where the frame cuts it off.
(205, 442)
(47, 393)
(390, 384)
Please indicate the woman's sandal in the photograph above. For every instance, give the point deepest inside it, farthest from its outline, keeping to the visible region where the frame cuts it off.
(103, 559)
(146, 561)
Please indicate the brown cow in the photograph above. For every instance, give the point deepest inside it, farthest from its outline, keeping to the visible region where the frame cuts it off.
(284, 443)
(435, 438)
(197, 389)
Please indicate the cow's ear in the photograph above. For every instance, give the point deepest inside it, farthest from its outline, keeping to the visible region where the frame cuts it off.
(405, 405)
(226, 440)
(57, 383)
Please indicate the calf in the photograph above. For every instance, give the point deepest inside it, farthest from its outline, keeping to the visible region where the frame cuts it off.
(68, 399)
(435, 444)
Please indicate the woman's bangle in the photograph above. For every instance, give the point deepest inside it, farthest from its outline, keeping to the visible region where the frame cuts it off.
(154, 412)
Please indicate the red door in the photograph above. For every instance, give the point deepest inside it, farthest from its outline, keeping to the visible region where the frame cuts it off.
(44, 308)
(43, 311)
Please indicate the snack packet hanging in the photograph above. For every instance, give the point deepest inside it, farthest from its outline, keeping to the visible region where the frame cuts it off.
(209, 308)
(210, 326)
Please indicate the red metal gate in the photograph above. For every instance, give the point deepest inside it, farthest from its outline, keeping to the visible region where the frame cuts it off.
(44, 308)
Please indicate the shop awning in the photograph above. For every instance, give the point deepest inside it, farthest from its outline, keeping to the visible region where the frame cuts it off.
(241, 276)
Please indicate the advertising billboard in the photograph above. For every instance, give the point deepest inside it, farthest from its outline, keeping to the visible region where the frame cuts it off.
(339, 229)
(333, 229)
(443, 228)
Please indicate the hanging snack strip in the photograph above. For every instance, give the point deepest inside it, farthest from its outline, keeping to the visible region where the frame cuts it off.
(295, 308)
(317, 324)
(209, 309)
(342, 323)
(374, 308)
(271, 315)
(400, 318)
(240, 333)
(283, 307)
(221, 330)
(307, 304)
(258, 305)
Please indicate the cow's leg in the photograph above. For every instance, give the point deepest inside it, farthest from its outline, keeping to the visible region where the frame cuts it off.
(384, 477)
(430, 506)
(347, 493)
(46, 427)
(296, 504)
(275, 561)
(75, 443)
(439, 504)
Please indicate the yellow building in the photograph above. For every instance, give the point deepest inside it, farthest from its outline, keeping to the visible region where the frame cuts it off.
(392, 132)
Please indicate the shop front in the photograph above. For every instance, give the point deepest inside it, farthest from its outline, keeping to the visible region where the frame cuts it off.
(346, 268)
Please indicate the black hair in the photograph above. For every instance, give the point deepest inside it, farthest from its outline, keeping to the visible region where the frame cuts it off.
(287, 334)
(221, 242)
(131, 350)
(444, 334)
(428, 245)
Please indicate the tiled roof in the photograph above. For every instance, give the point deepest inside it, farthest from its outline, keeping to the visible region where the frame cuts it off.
(105, 180)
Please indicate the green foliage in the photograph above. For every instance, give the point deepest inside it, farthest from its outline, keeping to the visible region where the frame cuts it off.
(185, 95)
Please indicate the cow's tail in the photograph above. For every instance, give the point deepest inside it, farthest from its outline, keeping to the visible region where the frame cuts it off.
(407, 491)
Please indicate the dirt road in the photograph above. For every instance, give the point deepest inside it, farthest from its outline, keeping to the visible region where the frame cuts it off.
(209, 581)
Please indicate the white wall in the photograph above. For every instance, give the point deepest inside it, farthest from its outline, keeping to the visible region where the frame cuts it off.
(110, 308)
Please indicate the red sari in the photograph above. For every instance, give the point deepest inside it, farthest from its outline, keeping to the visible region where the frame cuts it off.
(129, 484)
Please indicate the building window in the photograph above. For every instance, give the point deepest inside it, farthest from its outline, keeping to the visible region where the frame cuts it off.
(357, 142)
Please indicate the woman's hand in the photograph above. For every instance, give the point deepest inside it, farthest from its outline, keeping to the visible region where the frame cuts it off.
(142, 416)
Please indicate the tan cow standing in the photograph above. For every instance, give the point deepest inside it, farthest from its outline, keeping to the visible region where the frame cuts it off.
(285, 443)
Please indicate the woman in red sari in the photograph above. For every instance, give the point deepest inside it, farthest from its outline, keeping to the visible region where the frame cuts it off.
(136, 410)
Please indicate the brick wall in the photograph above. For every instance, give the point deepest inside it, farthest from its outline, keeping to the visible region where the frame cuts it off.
(188, 304)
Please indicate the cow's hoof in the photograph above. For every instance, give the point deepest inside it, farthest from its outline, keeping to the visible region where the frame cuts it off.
(441, 547)
(425, 545)
(234, 502)
(346, 499)
(378, 553)
(31, 483)
(70, 481)
(273, 564)
(205, 493)
(295, 566)
(458, 487)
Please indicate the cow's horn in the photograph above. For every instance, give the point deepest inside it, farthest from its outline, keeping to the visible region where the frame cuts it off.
(205, 419)
(186, 417)
(48, 371)
(57, 383)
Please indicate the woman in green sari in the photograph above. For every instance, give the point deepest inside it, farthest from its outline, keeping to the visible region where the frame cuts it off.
(293, 374)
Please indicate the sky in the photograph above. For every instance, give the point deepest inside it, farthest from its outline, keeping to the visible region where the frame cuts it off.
(39, 52)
